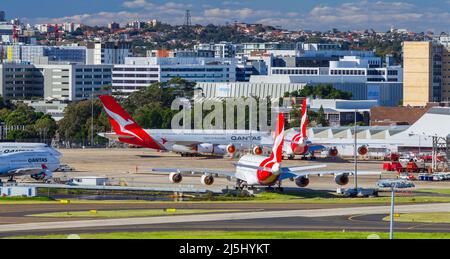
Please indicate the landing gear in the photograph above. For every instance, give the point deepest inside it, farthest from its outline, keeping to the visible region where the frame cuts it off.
(240, 185)
(11, 180)
(288, 157)
(279, 188)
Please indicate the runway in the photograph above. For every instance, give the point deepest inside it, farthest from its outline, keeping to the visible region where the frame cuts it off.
(366, 218)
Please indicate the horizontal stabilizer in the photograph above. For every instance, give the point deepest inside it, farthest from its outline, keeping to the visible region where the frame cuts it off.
(115, 136)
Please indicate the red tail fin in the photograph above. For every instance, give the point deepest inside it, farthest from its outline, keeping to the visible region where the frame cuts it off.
(278, 139)
(123, 124)
(304, 119)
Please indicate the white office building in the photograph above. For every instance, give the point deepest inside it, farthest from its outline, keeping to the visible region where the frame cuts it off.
(72, 82)
(351, 74)
(109, 53)
(138, 73)
(221, 50)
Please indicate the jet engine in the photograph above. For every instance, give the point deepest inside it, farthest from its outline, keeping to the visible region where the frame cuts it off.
(341, 179)
(231, 149)
(258, 150)
(301, 150)
(333, 152)
(302, 182)
(175, 177)
(207, 180)
(183, 149)
(363, 150)
(211, 149)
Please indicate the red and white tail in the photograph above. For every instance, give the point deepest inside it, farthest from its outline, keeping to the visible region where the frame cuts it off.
(304, 119)
(124, 125)
(278, 140)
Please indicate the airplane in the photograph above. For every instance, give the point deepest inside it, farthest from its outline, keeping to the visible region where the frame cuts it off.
(254, 171)
(297, 143)
(16, 147)
(211, 142)
(40, 165)
(184, 142)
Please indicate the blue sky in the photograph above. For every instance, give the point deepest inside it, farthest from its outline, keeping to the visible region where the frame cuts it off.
(291, 14)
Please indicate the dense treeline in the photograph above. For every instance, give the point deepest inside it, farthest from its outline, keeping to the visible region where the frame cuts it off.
(321, 91)
(22, 122)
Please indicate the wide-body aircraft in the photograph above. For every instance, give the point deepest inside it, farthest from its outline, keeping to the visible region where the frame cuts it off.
(255, 171)
(16, 147)
(213, 142)
(40, 165)
(298, 144)
(185, 142)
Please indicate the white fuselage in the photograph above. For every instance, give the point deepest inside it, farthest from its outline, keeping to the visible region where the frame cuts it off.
(27, 160)
(13, 147)
(240, 139)
(248, 174)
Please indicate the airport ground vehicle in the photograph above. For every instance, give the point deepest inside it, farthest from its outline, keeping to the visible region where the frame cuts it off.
(255, 171)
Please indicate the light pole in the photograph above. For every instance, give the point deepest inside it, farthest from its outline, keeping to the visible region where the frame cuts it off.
(394, 184)
(391, 224)
(92, 117)
(356, 153)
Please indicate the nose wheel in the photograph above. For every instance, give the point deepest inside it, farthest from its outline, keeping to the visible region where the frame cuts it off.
(279, 188)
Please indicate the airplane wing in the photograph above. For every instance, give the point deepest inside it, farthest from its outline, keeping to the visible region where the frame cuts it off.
(23, 171)
(304, 168)
(351, 142)
(294, 175)
(195, 171)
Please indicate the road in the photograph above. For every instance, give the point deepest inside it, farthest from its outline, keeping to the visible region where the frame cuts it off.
(358, 218)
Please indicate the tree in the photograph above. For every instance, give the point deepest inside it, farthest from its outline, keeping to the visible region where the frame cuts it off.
(322, 91)
(321, 120)
(76, 124)
(46, 127)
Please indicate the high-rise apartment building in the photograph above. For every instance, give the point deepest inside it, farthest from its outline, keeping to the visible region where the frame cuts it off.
(426, 72)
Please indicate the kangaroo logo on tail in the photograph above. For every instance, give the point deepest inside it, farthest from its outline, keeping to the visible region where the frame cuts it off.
(123, 124)
(273, 162)
(301, 137)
